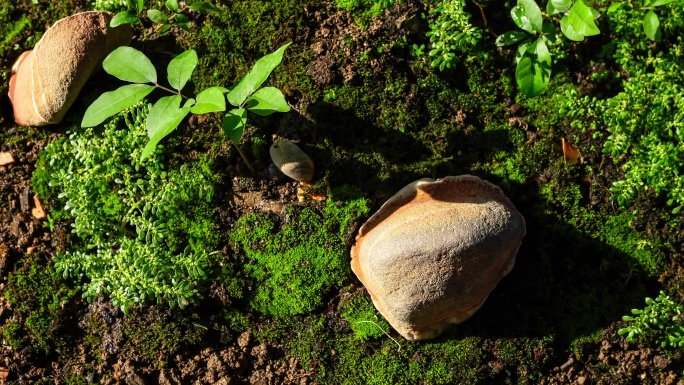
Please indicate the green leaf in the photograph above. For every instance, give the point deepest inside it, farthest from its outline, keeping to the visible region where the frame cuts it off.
(122, 18)
(172, 5)
(136, 5)
(510, 37)
(534, 69)
(519, 18)
(554, 7)
(549, 33)
(658, 3)
(234, 124)
(266, 101)
(110, 103)
(210, 100)
(180, 69)
(157, 16)
(130, 65)
(522, 48)
(165, 28)
(164, 116)
(256, 76)
(203, 7)
(652, 26)
(527, 16)
(579, 23)
(181, 21)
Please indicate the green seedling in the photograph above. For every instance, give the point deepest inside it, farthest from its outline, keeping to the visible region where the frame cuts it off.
(131, 65)
(533, 58)
(450, 33)
(163, 21)
(662, 318)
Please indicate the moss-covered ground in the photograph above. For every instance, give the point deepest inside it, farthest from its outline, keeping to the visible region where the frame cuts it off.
(279, 303)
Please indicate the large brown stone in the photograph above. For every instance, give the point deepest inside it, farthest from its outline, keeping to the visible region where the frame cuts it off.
(47, 80)
(433, 252)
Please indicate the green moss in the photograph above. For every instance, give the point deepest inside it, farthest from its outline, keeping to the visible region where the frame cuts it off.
(293, 265)
(156, 336)
(363, 318)
(614, 231)
(36, 294)
(15, 336)
(365, 9)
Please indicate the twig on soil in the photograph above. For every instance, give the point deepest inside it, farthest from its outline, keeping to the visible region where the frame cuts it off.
(387, 334)
(484, 18)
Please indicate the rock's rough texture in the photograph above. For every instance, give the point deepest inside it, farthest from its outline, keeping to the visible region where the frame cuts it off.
(47, 80)
(292, 161)
(433, 252)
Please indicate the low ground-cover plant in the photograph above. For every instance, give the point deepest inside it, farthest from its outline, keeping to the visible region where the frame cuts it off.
(651, 21)
(142, 231)
(451, 33)
(662, 319)
(163, 21)
(293, 265)
(131, 65)
(533, 58)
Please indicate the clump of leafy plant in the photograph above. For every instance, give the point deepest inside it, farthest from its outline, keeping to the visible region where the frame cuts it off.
(163, 21)
(533, 58)
(131, 65)
(662, 319)
(293, 265)
(143, 232)
(650, 21)
(367, 8)
(450, 33)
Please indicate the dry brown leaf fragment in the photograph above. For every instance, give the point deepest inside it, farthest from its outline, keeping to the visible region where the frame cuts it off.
(571, 153)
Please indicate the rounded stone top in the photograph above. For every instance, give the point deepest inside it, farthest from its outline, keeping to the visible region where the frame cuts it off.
(434, 251)
(47, 80)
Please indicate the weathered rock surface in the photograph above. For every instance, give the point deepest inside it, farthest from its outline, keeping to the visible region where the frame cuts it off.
(292, 161)
(433, 252)
(47, 80)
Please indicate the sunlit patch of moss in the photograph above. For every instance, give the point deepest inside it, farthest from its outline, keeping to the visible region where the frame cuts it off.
(294, 264)
(364, 319)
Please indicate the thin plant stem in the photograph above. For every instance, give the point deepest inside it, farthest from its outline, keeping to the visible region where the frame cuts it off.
(244, 157)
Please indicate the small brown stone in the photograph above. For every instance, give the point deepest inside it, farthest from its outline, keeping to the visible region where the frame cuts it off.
(292, 161)
(38, 212)
(6, 158)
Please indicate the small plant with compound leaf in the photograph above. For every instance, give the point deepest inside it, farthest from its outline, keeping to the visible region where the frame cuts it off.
(131, 65)
(650, 22)
(163, 20)
(662, 319)
(451, 33)
(533, 70)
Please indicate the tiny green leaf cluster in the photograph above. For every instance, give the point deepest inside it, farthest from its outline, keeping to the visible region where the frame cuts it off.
(651, 22)
(451, 33)
(533, 70)
(131, 65)
(163, 21)
(143, 232)
(662, 319)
